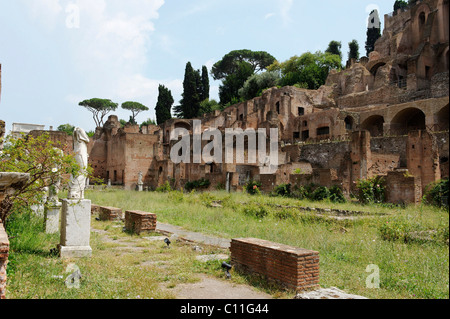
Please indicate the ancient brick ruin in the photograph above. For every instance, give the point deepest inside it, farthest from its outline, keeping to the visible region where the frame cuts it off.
(383, 114)
(290, 267)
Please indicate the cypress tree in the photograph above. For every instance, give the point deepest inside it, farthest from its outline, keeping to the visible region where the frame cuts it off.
(205, 84)
(164, 105)
(353, 52)
(190, 102)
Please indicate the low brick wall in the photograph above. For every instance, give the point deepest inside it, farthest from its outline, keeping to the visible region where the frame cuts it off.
(291, 267)
(110, 213)
(4, 253)
(95, 209)
(138, 222)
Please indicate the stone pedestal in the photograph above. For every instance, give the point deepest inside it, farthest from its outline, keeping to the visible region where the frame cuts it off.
(140, 187)
(51, 215)
(75, 229)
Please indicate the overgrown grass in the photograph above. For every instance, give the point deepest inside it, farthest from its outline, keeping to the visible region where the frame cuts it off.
(125, 266)
(411, 268)
(409, 245)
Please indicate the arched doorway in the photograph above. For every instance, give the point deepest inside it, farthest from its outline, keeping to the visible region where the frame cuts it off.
(407, 120)
(374, 124)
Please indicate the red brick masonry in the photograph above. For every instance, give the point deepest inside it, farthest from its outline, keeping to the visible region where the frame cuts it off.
(110, 213)
(291, 267)
(4, 253)
(137, 221)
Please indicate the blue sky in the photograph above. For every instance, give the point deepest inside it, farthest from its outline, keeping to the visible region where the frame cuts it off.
(56, 53)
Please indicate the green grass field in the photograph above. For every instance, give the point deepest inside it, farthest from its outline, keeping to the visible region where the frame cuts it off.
(409, 245)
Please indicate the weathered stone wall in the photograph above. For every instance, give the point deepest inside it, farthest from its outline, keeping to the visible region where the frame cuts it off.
(390, 145)
(423, 157)
(290, 267)
(4, 253)
(403, 188)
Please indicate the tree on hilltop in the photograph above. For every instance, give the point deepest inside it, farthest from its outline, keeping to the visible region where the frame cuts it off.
(235, 68)
(135, 108)
(99, 109)
(164, 105)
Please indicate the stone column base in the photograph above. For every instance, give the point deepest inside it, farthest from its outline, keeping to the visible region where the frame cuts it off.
(52, 219)
(67, 252)
(75, 229)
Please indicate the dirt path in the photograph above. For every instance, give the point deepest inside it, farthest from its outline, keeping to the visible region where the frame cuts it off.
(207, 288)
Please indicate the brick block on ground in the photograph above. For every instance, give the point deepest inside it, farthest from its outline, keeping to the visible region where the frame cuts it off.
(290, 267)
(110, 213)
(138, 221)
(4, 253)
(95, 209)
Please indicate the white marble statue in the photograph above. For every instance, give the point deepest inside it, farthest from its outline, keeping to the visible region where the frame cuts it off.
(77, 184)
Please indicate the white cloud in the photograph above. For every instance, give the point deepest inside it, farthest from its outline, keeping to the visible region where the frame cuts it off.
(46, 11)
(109, 50)
(285, 7)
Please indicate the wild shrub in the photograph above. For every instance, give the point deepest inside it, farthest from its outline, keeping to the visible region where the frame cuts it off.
(257, 211)
(198, 184)
(165, 188)
(320, 193)
(336, 195)
(436, 194)
(371, 190)
(283, 190)
(252, 187)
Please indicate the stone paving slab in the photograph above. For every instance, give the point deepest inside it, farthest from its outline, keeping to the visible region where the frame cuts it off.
(191, 236)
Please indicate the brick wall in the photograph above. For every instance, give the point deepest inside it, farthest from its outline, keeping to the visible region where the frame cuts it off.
(402, 187)
(110, 213)
(290, 267)
(138, 221)
(4, 252)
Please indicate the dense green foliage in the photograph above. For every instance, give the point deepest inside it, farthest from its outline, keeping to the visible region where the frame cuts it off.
(66, 128)
(257, 83)
(164, 105)
(136, 108)
(195, 90)
(235, 68)
(400, 4)
(353, 50)
(334, 47)
(43, 160)
(197, 185)
(371, 190)
(437, 193)
(310, 70)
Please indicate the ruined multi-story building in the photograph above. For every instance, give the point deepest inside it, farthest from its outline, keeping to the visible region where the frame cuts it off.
(382, 115)
(386, 114)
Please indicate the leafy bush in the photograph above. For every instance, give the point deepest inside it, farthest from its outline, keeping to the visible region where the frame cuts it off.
(252, 187)
(300, 192)
(336, 195)
(176, 196)
(258, 211)
(436, 194)
(199, 184)
(165, 188)
(283, 190)
(371, 190)
(320, 193)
